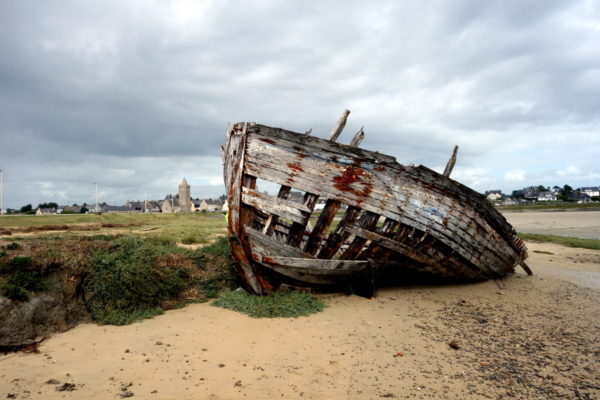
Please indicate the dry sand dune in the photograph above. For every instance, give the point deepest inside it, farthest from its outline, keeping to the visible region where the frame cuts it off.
(525, 337)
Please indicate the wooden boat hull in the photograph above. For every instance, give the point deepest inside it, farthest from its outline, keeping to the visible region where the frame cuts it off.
(387, 214)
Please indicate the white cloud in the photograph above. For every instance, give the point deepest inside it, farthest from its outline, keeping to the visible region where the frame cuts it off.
(568, 171)
(515, 175)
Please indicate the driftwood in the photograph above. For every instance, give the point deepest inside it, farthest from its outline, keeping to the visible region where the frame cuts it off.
(377, 213)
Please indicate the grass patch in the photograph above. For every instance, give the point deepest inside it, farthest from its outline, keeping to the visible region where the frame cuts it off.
(191, 239)
(15, 292)
(543, 252)
(284, 304)
(567, 241)
(131, 279)
(550, 206)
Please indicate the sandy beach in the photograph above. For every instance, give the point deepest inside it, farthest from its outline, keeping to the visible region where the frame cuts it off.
(525, 337)
(582, 224)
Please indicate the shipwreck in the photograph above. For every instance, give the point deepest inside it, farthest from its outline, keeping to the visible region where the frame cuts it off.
(377, 213)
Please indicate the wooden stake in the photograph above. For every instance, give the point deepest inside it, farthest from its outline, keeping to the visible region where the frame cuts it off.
(360, 135)
(339, 126)
(451, 162)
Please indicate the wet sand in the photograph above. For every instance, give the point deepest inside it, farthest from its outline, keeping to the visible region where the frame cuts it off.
(582, 224)
(527, 337)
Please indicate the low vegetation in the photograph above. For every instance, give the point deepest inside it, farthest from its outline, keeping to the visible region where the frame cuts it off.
(550, 206)
(129, 267)
(562, 240)
(122, 278)
(280, 304)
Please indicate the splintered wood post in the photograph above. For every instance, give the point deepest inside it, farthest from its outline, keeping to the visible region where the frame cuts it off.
(360, 135)
(284, 192)
(297, 230)
(335, 132)
(367, 221)
(525, 267)
(339, 236)
(314, 241)
(308, 132)
(451, 162)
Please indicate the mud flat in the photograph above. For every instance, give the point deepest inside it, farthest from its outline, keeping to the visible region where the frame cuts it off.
(582, 224)
(528, 337)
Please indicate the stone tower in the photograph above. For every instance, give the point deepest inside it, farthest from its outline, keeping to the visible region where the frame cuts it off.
(184, 196)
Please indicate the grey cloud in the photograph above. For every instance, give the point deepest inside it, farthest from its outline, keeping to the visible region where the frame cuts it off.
(96, 86)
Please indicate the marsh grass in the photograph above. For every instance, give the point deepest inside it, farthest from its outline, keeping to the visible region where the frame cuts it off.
(543, 252)
(567, 241)
(126, 273)
(197, 227)
(288, 304)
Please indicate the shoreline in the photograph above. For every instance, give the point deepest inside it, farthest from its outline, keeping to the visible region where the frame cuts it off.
(524, 336)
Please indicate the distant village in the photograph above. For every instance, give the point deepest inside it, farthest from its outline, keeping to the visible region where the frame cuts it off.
(182, 202)
(537, 194)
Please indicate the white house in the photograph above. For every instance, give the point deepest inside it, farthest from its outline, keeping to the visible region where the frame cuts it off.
(591, 191)
(546, 196)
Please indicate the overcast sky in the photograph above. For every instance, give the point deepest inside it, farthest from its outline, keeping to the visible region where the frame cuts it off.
(136, 95)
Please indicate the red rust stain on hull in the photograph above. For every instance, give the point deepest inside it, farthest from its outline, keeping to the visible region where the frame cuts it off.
(353, 175)
(267, 141)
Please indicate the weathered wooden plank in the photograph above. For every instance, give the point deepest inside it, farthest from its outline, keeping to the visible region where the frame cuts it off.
(320, 266)
(337, 238)
(451, 162)
(272, 246)
(247, 213)
(390, 244)
(367, 221)
(284, 192)
(314, 144)
(233, 182)
(274, 205)
(325, 219)
(339, 127)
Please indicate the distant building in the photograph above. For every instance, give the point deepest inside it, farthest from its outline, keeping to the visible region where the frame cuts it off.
(493, 195)
(581, 197)
(45, 211)
(210, 205)
(546, 196)
(180, 203)
(591, 191)
(118, 210)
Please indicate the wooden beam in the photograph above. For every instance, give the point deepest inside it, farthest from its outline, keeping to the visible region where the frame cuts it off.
(360, 135)
(271, 222)
(451, 162)
(367, 221)
(314, 241)
(336, 239)
(298, 228)
(390, 244)
(274, 205)
(337, 129)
